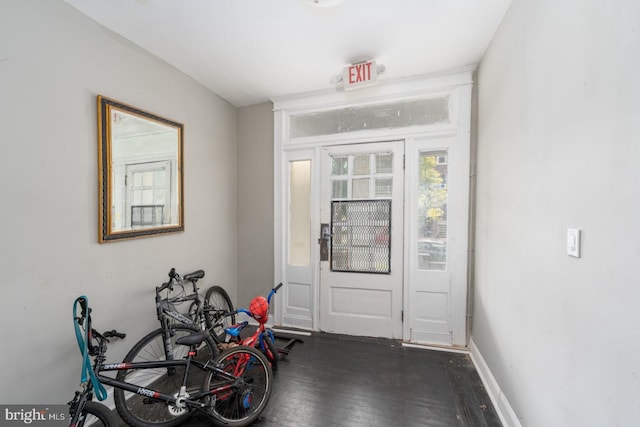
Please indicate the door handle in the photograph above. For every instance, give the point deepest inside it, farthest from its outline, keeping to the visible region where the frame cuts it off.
(325, 232)
(326, 235)
(323, 241)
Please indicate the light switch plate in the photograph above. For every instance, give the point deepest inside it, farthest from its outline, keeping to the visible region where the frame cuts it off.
(573, 242)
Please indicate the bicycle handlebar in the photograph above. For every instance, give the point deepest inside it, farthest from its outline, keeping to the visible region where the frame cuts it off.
(173, 277)
(273, 291)
(84, 309)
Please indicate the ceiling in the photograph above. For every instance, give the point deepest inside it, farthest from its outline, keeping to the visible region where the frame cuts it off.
(251, 51)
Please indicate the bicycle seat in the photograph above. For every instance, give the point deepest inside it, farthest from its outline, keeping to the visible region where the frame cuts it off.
(198, 274)
(234, 330)
(194, 339)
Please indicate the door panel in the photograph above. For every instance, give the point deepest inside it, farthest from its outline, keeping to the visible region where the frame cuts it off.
(298, 294)
(362, 188)
(437, 236)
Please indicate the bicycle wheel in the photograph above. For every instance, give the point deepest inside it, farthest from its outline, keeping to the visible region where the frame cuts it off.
(137, 410)
(217, 306)
(96, 414)
(270, 350)
(244, 403)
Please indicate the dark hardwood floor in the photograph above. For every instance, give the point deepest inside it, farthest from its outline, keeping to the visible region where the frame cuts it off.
(335, 380)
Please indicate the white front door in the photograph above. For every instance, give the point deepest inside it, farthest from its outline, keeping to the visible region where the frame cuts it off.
(361, 273)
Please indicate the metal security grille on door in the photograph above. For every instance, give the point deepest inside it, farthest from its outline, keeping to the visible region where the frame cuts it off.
(360, 239)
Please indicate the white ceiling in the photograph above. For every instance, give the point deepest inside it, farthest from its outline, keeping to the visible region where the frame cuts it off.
(251, 51)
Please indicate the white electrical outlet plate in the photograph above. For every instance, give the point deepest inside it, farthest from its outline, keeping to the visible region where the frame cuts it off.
(573, 242)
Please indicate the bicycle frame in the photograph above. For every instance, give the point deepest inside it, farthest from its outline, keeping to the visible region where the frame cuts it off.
(258, 337)
(79, 401)
(162, 310)
(193, 401)
(163, 313)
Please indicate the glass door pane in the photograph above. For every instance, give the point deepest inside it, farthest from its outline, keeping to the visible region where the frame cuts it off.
(300, 213)
(432, 210)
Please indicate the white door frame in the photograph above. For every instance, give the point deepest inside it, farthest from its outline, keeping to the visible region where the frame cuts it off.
(457, 87)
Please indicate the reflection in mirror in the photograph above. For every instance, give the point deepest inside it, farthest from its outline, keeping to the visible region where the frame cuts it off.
(140, 172)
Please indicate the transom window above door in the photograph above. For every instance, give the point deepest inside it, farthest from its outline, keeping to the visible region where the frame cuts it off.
(362, 176)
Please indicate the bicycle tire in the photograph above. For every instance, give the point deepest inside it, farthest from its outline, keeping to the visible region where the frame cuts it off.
(243, 405)
(96, 414)
(270, 350)
(136, 410)
(217, 306)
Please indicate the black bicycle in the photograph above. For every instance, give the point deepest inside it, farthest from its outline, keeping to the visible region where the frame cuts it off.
(213, 312)
(233, 389)
(208, 313)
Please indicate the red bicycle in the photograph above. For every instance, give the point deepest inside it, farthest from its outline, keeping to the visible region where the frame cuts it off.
(263, 338)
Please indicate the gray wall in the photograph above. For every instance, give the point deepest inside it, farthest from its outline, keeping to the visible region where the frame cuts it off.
(558, 147)
(53, 63)
(255, 202)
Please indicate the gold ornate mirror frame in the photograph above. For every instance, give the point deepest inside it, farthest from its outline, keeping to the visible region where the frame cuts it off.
(140, 172)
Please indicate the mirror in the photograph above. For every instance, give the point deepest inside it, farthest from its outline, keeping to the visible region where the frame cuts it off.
(140, 162)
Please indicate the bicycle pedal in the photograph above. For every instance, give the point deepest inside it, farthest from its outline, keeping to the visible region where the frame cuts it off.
(149, 401)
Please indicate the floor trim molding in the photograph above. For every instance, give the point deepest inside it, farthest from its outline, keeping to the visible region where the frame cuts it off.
(277, 329)
(436, 348)
(506, 413)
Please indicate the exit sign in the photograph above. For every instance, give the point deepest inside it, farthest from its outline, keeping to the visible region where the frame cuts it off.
(360, 75)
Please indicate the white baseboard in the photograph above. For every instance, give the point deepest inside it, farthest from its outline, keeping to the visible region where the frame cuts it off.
(436, 348)
(506, 413)
(291, 331)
